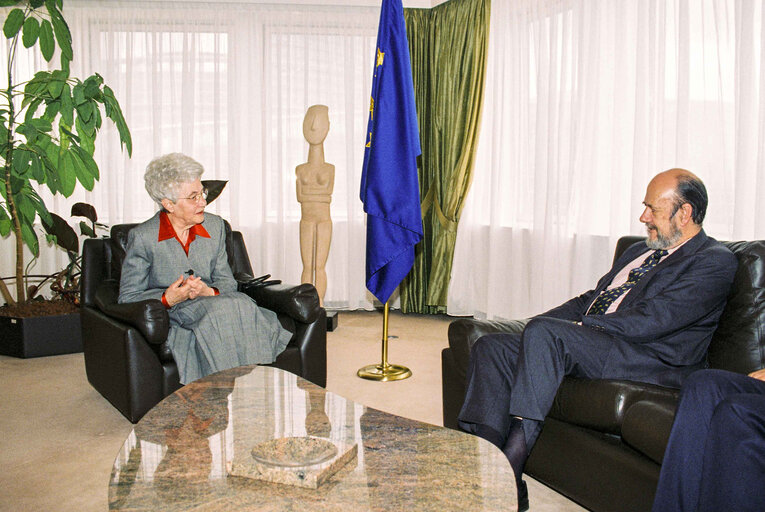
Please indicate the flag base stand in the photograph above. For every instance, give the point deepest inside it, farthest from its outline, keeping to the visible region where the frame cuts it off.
(384, 371)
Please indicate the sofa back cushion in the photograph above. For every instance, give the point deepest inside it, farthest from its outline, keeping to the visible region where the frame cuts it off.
(738, 344)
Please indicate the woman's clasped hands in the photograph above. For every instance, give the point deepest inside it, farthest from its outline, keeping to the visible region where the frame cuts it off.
(185, 288)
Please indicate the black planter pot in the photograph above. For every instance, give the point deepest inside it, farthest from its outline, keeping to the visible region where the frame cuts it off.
(40, 336)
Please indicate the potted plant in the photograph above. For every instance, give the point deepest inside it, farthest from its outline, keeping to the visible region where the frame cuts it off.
(48, 128)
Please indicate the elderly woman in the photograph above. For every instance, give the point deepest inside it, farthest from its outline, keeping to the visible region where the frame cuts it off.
(179, 257)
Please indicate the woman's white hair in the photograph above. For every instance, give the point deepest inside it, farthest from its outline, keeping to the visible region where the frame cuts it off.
(165, 174)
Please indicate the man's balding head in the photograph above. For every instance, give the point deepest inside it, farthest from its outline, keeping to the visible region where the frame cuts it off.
(676, 203)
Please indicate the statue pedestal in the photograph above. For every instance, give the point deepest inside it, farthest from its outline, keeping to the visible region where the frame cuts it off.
(331, 321)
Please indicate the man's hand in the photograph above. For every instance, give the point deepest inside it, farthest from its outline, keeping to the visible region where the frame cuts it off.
(758, 374)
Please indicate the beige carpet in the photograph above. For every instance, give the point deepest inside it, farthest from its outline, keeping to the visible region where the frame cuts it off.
(59, 437)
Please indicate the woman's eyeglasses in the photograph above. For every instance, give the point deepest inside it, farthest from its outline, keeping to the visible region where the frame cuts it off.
(198, 196)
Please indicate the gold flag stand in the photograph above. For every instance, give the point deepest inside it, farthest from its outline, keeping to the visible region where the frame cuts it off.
(384, 371)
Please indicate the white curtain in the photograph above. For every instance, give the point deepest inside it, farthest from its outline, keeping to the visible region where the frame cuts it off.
(229, 84)
(586, 100)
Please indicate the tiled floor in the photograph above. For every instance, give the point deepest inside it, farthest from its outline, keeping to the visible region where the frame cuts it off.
(59, 437)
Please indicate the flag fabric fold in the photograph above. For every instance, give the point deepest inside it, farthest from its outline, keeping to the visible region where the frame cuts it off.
(390, 188)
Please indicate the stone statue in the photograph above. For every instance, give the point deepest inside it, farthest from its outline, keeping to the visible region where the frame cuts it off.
(315, 181)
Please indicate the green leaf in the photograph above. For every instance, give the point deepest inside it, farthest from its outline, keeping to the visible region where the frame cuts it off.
(66, 238)
(52, 168)
(77, 95)
(32, 110)
(3, 135)
(97, 117)
(87, 159)
(8, 3)
(114, 112)
(34, 128)
(69, 133)
(47, 44)
(85, 113)
(86, 230)
(84, 210)
(67, 173)
(55, 87)
(30, 239)
(5, 223)
(36, 168)
(21, 163)
(80, 169)
(67, 107)
(13, 23)
(31, 29)
(63, 139)
(39, 206)
(51, 173)
(25, 207)
(87, 140)
(92, 87)
(59, 74)
(52, 110)
(61, 31)
(37, 88)
(42, 125)
(36, 4)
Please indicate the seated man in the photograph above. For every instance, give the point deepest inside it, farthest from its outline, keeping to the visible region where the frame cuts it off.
(649, 319)
(715, 459)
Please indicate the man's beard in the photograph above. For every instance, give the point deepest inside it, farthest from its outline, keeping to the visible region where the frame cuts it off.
(664, 241)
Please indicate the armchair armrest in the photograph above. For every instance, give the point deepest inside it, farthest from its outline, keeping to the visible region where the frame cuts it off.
(301, 302)
(148, 316)
(464, 332)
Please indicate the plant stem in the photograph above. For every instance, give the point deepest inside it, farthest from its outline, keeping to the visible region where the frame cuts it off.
(20, 292)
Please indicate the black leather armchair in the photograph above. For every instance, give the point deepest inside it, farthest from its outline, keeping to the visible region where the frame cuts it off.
(126, 356)
(603, 442)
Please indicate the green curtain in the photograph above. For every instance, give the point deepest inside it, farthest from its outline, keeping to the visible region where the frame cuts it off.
(448, 46)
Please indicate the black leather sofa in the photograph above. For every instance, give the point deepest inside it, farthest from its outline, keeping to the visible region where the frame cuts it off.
(126, 356)
(603, 441)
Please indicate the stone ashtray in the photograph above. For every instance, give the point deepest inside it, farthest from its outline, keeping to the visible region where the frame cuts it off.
(294, 452)
(300, 461)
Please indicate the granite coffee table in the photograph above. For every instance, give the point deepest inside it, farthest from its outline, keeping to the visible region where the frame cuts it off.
(210, 446)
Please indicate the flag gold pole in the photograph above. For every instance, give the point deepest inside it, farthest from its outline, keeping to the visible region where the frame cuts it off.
(384, 371)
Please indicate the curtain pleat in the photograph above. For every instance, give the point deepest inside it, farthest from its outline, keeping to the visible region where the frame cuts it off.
(448, 46)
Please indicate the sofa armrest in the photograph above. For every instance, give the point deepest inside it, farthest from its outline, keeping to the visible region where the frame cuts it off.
(464, 332)
(301, 302)
(647, 425)
(148, 316)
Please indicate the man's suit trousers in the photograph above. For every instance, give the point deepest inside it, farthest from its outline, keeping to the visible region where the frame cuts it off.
(519, 374)
(715, 458)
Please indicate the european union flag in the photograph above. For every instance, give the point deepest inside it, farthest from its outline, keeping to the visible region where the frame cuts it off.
(390, 190)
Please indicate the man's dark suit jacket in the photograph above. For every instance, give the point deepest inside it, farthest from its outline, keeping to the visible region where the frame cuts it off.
(664, 324)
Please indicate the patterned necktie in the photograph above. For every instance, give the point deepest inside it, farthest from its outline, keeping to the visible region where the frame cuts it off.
(605, 299)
